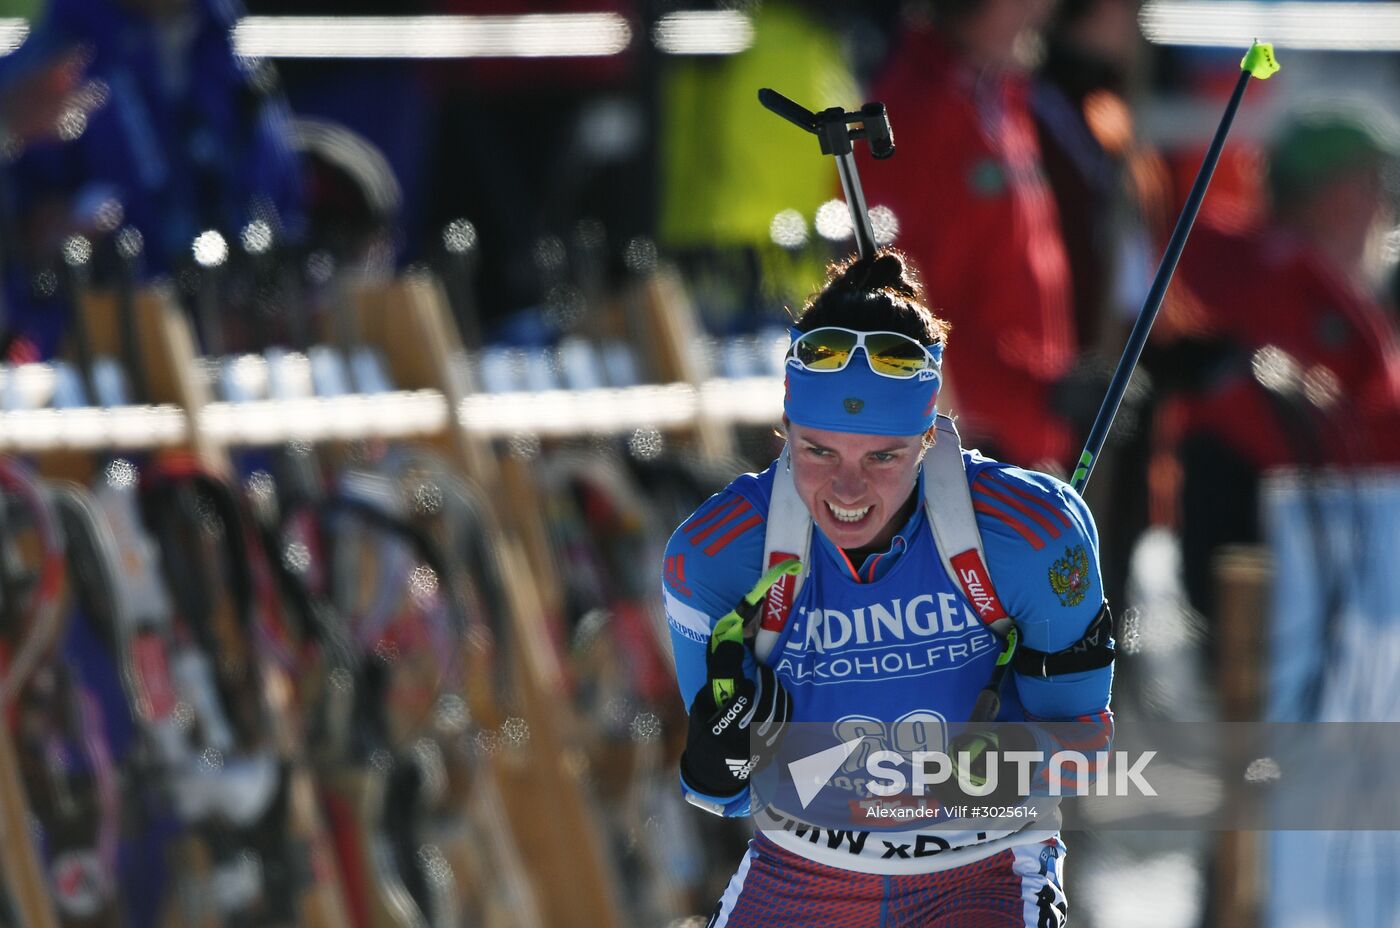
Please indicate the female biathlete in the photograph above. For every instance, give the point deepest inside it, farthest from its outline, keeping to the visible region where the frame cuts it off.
(884, 634)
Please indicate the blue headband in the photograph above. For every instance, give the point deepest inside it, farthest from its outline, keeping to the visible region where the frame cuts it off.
(859, 400)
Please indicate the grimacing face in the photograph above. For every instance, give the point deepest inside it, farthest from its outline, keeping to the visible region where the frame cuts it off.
(854, 485)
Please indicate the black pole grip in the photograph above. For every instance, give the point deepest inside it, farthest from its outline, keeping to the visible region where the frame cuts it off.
(988, 703)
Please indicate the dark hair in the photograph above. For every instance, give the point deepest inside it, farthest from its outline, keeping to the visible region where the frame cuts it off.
(877, 294)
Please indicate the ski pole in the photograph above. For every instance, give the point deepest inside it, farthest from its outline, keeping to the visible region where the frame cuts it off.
(830, 128)
(1258, 62)
(730, 626)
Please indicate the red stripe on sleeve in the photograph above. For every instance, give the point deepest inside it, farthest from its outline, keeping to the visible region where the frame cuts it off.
(1031, 537)
(1028, 497)
(1022, 508)
(1085, 732)
(732, 513)
(699, 520)
(1092, 741)
(719, 543)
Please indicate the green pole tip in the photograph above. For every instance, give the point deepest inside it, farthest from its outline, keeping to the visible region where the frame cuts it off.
(1259, 61)
(1085, 460)
(1006, 652)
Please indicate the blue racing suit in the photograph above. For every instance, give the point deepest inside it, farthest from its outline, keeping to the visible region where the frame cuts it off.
(893, 643)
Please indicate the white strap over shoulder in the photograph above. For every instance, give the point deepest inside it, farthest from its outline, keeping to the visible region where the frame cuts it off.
(788, 534)
(948, 503)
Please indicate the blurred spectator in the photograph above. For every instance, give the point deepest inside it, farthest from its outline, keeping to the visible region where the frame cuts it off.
(1113, 198)
(191, 138)
(729, 166)
(1296, 361)
(38, 95)
(43, 96)
(967, 188)
(1112, 192)
(386, 103)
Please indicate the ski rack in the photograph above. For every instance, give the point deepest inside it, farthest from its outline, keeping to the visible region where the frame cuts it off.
(184, 416)
(408, 321)
(65, 441)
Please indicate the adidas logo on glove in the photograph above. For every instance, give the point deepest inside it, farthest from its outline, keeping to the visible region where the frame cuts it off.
(736, 709)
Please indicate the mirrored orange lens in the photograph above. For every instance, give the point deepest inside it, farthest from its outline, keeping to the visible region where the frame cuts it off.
(895, 355)
(825, 350)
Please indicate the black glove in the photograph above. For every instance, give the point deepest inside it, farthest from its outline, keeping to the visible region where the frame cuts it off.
(735, 724)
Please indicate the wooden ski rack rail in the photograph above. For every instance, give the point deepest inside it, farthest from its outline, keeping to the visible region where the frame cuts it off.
(752, 401)
(93, 428)
(618, 410)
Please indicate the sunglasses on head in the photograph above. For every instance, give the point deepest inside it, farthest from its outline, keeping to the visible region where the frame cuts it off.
(889, 354)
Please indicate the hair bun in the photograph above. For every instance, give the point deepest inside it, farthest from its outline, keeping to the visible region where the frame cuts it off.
(887, 270)
(881, 293)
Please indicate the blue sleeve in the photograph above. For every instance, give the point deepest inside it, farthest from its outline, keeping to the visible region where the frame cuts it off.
(1043, 554)
(711, 561)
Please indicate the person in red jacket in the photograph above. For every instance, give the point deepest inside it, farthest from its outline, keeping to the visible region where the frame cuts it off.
(975, 214)
(1296, 362)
